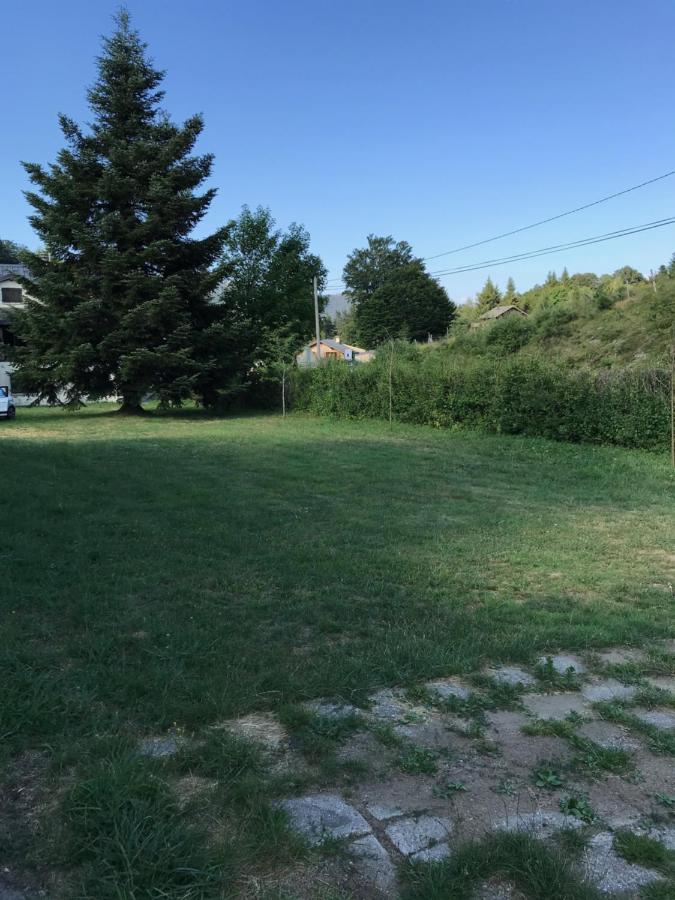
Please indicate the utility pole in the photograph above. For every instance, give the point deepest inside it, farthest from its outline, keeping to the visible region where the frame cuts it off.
(316, 318)
(672, 399)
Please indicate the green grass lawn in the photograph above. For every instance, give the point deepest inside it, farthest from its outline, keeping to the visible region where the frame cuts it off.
(180, 569)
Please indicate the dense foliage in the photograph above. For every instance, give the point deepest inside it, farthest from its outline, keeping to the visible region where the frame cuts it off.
(392, 294)
(597, 321)
(513, 396)
(10, 252)
(267, 286)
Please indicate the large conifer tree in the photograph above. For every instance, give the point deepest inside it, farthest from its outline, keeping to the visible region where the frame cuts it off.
(122, 292)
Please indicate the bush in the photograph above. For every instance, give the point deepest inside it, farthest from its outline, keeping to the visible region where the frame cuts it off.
(507, 335)
(511, 396)
(551, 321)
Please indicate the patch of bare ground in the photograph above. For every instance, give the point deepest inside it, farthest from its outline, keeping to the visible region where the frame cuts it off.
(335, 878)
(191, 788)
(261, 728)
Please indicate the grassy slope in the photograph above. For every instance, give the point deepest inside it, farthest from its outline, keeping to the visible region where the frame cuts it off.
(619, 337)
(616, 337)
(186, 569)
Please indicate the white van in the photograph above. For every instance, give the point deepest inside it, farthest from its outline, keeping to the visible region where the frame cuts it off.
(7, 408)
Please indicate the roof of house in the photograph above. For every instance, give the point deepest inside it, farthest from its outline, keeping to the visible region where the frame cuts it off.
(500, 310)
(337, 345)
(9, 271)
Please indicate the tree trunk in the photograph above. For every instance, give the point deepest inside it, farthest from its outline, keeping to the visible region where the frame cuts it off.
(131, 406)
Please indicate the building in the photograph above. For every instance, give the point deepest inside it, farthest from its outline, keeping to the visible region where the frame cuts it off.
(333, 348)
(499, 312)
(11, 297)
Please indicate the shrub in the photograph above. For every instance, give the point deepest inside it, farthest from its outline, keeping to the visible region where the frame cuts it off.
(507, 335)
(512, 396)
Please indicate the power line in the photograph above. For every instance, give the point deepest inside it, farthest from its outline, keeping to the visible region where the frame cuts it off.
(553, 248)
(557, 248)
(562, 215)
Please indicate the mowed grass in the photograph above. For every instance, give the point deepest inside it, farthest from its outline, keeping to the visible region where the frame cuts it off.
(183, 569)
(177, 570)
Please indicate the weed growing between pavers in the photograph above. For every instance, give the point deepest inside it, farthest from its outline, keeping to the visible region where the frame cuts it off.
(658, 740)
(590, 757)
(548, 777)
(417, 760)
(651, 696)
(540, 870)
(578, 807)
(447, 788)
(656, 662)
(641, 850)
(554, 680)
(318, 736)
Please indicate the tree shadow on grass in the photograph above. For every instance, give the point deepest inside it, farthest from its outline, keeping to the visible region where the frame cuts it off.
(193, 577)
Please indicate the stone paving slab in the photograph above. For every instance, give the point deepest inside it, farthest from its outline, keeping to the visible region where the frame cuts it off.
(331, 710)
(448, 687)
(432, 734)
(662, 719)
(373, 863)
(389, 705)
(608, 735)
(663, 682)
(432, 854)
(665, 834)
(610, 872)
(597, 690)
(512, 675)
(321, 816)
(621, 655)
(562, 663)
(412, 835)
(556, 706)
(540, 824)
(384, 811)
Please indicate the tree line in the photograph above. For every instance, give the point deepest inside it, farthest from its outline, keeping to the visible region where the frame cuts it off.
(123, 299)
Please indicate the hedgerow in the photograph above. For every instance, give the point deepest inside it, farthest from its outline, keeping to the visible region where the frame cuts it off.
(510, 396)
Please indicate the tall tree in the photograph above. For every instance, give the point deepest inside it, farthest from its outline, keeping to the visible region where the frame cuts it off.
(122, 296)
(510, 294)
(392, 294)
(269, 281)
(489, 297)
(368, 267)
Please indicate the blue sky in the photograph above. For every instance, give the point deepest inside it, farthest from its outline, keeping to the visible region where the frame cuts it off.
(438, 122)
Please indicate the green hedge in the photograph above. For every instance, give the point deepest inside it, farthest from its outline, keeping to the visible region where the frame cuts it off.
(512, 396)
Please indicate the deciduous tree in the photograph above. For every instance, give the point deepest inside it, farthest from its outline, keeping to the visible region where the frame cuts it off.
(392, 294)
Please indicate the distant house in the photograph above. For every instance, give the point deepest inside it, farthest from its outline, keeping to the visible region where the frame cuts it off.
(499, 312)
(11, 297)
(333, 348)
